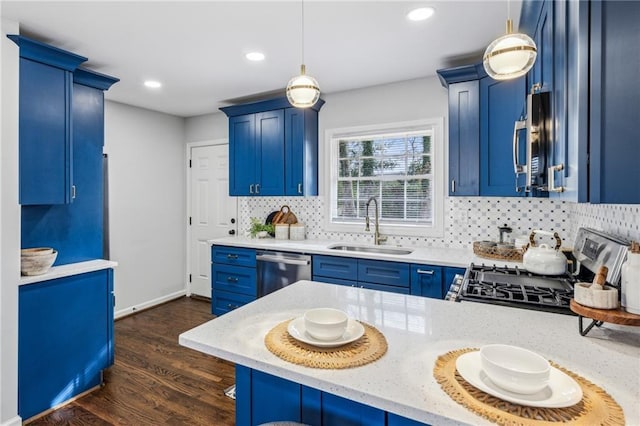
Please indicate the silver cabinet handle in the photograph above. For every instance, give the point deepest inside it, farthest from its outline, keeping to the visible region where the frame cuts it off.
(232, 279)
(73, 191)
(552, 178)
(232, 256)
(517, 167)
(299, 188)
(251, 189)
(257, 188)
(423, 272)
(453, 185)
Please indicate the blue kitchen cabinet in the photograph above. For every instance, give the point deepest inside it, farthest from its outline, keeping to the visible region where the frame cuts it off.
(482, 113)
(262, 398)
(426, 281)
(65, 339)
(273, 149)
(233, 278)
(395, 420)
(501, 105)
(45, 122)
(76, 230)
(301, 151)
(345, 268)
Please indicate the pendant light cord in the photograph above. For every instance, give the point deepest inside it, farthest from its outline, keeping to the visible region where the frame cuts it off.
(302, 19)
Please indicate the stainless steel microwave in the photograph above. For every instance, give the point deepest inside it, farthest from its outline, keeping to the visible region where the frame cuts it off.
(532, 174)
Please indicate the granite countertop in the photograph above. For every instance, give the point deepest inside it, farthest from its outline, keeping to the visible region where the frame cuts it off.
(418, 330)
(68, 270)
(456, 257)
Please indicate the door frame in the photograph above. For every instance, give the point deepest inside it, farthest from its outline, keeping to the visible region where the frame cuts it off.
(190, 145)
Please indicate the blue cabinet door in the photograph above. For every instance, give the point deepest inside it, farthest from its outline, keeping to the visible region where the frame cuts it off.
(269, 153)
(344, 268)
(395, 420)
(301, 151)
(501, 104)
(65, 339)
(45, 156)
(464, 147)
(614, 150)
(344, 412)
(382, 272)
(242, 155)
(542, 71)
(426, 281)
(239, 256)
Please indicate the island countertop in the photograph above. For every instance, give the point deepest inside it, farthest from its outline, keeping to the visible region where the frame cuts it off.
(418, 330)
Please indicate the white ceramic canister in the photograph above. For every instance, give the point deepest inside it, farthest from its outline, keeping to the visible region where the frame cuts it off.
(282, 231)
(297, 231)
(630, 295)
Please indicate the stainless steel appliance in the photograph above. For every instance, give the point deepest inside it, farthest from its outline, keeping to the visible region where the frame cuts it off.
(517, 287)
(538, 139)
(276, 270)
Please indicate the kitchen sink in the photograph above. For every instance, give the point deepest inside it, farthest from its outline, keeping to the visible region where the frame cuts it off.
(370, 249)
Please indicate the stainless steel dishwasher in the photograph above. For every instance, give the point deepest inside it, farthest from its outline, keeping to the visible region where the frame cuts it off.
(276, 270)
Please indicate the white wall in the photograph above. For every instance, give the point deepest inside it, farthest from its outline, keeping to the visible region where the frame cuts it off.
(207, 127)
(147, 205)
(9, 226)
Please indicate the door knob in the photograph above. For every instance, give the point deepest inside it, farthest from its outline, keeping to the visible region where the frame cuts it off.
(233, 220)
(232, 232)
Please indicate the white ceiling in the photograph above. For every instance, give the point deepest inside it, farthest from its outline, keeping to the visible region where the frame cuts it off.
(196, 48)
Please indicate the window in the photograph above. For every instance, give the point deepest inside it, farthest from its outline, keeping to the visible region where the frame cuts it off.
(400, 164)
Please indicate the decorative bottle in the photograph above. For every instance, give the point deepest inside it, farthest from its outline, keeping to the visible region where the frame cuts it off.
(630, 296)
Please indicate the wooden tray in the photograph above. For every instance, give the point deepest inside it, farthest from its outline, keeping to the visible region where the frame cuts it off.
(613, 316)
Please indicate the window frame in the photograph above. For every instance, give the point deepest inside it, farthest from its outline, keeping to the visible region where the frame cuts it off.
(438, 164)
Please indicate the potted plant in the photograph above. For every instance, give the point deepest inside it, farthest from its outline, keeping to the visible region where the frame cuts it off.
(259, 229)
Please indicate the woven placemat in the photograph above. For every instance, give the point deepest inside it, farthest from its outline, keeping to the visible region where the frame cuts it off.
(370, 347)
(596, 407)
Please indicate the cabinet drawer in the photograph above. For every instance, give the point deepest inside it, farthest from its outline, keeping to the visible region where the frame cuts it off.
(380, 272)
(237, 279)
(233, 256)
(338, 281)
(336, 267)
(224, 301)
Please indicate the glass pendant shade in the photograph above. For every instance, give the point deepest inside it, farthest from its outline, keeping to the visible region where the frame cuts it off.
(510, 56)
(303, 90)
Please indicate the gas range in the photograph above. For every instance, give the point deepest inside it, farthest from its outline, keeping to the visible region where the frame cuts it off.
(517, 287)
(514, 287)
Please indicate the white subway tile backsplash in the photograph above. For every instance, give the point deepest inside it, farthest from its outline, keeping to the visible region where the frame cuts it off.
(467, 219)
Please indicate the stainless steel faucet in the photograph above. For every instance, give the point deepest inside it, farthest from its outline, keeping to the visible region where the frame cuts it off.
(376, 236)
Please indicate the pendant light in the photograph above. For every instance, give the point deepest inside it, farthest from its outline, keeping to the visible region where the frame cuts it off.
(303, 90)
(511, 55)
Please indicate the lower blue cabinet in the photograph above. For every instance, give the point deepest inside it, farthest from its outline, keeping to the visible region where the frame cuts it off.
(426, 280)
(263, 398)
(233, 278)
(65, 338)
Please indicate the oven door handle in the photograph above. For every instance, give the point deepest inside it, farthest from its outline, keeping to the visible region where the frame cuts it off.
(284, 260)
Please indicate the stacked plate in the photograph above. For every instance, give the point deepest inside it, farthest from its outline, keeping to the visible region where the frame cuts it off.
(525, 377)
(325, 328)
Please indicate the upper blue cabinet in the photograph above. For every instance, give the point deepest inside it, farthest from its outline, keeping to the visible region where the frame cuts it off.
(273, 149)
(45, 124)
(482, 113)
(587, 62)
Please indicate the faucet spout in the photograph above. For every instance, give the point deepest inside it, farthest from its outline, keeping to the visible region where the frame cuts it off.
(377, 238)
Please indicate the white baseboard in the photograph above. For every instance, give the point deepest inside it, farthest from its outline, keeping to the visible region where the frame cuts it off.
(146, 305)
(16, 421)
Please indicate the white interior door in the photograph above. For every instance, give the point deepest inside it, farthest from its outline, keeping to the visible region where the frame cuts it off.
(213, 214)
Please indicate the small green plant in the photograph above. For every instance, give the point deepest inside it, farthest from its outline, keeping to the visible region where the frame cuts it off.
(258, 226)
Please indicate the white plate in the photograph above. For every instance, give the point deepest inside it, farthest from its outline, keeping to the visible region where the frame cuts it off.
(562, 390)
(298, 331)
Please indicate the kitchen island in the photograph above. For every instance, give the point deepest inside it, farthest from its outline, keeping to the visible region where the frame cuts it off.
(418, 330)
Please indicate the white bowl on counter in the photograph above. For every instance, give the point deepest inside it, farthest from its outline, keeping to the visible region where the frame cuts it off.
(325, 324)
(37, 261)
(515, 369)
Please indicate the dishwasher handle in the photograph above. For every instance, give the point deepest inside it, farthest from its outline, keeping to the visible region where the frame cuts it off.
(285, 260)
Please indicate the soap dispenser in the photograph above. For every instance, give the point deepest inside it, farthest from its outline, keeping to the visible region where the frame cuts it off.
(630, 294)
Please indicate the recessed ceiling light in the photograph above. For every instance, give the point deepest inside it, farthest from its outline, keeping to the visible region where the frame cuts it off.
(152, 84)
(421, 13)
(255, 56)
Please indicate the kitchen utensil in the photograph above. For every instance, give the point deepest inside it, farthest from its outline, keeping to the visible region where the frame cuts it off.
(543, 259)
(515, 369)
(285, 215)
(561, 390)
(37, 261)
(325, 324)
(298, 331)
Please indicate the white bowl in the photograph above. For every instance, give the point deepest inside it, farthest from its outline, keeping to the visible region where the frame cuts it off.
(37, 261)
(325, 323)
(515, 369)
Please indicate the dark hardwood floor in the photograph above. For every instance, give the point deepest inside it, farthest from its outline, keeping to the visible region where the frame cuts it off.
(154, 381)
